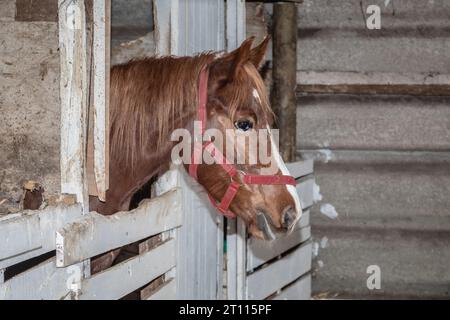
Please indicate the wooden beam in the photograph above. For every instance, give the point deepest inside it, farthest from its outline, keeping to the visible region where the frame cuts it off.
(389, 89)
(236, 230)
(101, 71)
(284, 75)
(127, 276)
(235, 24)
(164, 12)
(42, 282)
(96, 233)
(32, 233)
(74, 96)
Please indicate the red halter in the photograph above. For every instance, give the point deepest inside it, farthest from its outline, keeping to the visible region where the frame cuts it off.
(221, 159)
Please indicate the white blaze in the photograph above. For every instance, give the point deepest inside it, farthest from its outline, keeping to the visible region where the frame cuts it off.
(282, 166)
(256, 96)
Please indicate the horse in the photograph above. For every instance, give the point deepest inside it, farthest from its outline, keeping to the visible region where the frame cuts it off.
(153, 96)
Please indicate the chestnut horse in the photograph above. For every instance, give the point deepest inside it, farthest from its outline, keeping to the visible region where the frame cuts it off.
(151, 97)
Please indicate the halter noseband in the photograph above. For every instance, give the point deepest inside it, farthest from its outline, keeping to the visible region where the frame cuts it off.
(230, 169)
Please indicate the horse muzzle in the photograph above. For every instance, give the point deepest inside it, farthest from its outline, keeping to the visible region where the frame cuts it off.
(268, 228)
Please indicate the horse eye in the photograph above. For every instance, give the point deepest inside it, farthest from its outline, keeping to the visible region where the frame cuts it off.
(243, 125)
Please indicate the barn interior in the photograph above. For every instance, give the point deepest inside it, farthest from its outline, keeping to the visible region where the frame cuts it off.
(373, 112)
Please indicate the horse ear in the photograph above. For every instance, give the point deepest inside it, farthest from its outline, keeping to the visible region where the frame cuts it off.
(257, 53)
(239, 57)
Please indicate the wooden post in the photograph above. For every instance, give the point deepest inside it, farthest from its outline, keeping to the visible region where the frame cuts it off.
(236, 230)
(284, 76)
(101, 69)
(73, 93)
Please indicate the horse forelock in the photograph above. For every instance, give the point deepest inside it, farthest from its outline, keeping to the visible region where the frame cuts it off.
(247, 87)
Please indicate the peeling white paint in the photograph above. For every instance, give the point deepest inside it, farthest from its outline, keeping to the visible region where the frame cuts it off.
(328, 210)
(325, 154)
(320, 263)
(317, 196)
(315, 249)
(324, 242)
(256, 96)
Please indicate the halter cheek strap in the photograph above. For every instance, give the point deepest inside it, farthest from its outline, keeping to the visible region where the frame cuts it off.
(215, 153)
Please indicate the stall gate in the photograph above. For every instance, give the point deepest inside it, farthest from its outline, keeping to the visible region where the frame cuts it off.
(70, 238)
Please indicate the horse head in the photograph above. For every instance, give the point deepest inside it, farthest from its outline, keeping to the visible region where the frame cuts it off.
(237, 118)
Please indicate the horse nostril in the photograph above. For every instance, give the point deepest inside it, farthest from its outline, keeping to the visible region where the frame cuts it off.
(288, 217)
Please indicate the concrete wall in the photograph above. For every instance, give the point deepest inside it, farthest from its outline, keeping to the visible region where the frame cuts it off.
(130, 19)
(382, 161)
(132, 30)
(29, 95)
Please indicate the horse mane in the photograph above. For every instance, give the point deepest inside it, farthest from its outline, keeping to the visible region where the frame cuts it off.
(151, 97)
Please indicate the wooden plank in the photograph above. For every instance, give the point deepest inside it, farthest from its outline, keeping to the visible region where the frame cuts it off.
(101, 71)
(241, 253)
(199, 26)
(167, 292)
(32, 233)
(305, 191)
(116, 282)
(20, 234)
(275, 276)
(231, 260)
(235, 23)
(199, 259)
(96, 233)
(300, 168)
(236, 231)
(368, 78)
(42, 282)
(73, 94)
(260, 251)
(219, 252)
(390, 89)
(299, 290)
(162, 21)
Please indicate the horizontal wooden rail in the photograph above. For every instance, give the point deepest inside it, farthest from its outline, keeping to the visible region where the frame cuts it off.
(97, 233)
(388, 89)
